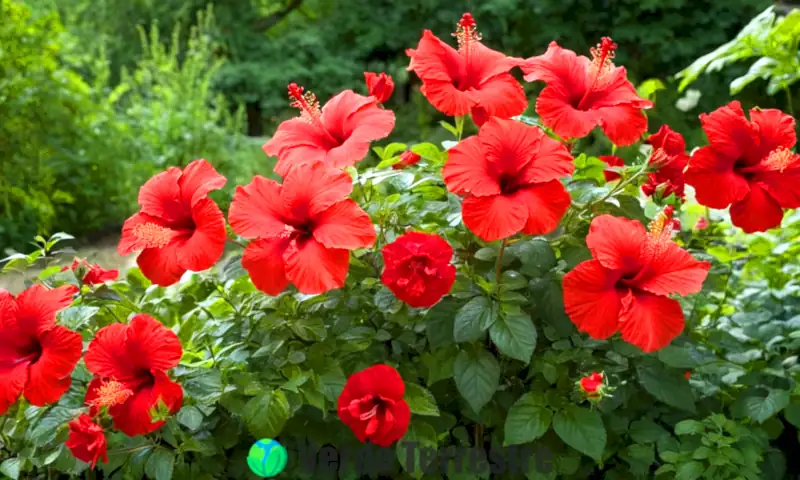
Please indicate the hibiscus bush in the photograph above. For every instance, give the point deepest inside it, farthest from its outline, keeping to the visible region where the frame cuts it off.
(500, 290)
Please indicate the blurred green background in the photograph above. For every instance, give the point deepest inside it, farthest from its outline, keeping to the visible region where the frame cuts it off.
(98, 95)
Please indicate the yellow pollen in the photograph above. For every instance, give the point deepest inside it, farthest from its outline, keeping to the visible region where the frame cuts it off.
(779, 159)
(660, 234)
(111, 393)
(153, 235)
(602, 62)
(466, 33)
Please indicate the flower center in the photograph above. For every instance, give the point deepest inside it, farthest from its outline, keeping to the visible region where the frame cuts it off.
(466, 33)
(778, 160)
(601, 68)
(374, 410)
(111, 393)
(153, 235)
(306, 102)
(418, 275)
(659, 159)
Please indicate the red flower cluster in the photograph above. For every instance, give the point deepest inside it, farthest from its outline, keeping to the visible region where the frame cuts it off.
(473, 79)
(591, 384)
(130, 364)
(583, 93)
(418, 269)
(178, 228)
(338, 134)
(509, 175)
(303, 230)
(379, 86)
(86, 441)
(407, 159)
(92, 274)
(669, 158)
(372, 405)
(626, 286)
(37, 356)
(748, 166)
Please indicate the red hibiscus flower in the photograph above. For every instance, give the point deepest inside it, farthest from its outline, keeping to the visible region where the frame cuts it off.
(473, 79)
(701, 224)
(36, 356)
(748, 166)
(509, 175)
(687, 374)
(303, 230)
(379, 86)
(418, 269)
(92, 274)
(582, 94)
(372, 405)
(407, 159)
(626, 286)
(612, 161)
(130, 364)
(669, 158)
(590, 384)
(337, 135)
(178, 227)
(87, 442)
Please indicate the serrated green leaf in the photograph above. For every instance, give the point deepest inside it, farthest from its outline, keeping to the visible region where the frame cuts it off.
(420, 400)
(581, 429)
(477, 376)
(528, 419)
(515, 336)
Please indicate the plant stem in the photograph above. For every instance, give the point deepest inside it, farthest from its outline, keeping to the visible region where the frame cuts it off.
(498, 269)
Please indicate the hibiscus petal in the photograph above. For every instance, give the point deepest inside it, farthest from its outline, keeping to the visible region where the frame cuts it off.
(151, 345)
(161, 265)
(344, 225)
(729, 132)
(591, 300)
(501, 96)
(106, 357)
(668, 140)
(674, 271)
(558, 66)
(615, 91)
(775, 130)
(435, 60)
(757, 212)
(623, 125)
(8, 310)
(133, 417)
(401, 416)
(509, 146)
(310, 190)
(358, 120)
(257, 209)
(445, 97)
(264, 261)
(37, 306)
(12, 381)
(651, 322)
(783, 186)
(49, 376)
(716, 184)
(380, 379)
(493, 218)
(553, 106)
(160, 196)
(617, 242)
(199, 178)
(207, 243)
(546, 204)
(466, 171)
(314, 269)
(552, 161)
(298, 142)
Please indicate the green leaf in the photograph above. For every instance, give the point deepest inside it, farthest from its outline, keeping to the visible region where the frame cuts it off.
(759, 407)
(266, 414)
(46, 428)
(515, 336)
(689, 427)
(581, 429)
(549, 299)
(675, 356)
(528, 419)
(669, 387)
(428, 151)
(10, 467)
(420, 400)
(477, 376)
(649, 87)
(792, 414)
(646, 431)
(418, 436)
(439, 321)
(473, 318)
(536, 255)
(190, 417)
(689, 471)
(160, 464)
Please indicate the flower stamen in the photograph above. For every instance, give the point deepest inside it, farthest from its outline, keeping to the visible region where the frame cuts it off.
(779, 160)
(153, 235)
(466, 33)
(660, 232)
(111, 393)
(306, 102)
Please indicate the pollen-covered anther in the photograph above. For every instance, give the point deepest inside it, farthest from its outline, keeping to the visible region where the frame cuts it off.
(111, 393)
(660, 232)
(779, 160)
(153, 235)
(466, 32)
(306, 102)
(602, 60)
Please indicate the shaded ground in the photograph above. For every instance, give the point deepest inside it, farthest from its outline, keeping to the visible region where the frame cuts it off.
(103, 252)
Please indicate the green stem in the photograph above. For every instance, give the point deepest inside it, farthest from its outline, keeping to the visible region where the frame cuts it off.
(460, 127)
(499, 268)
